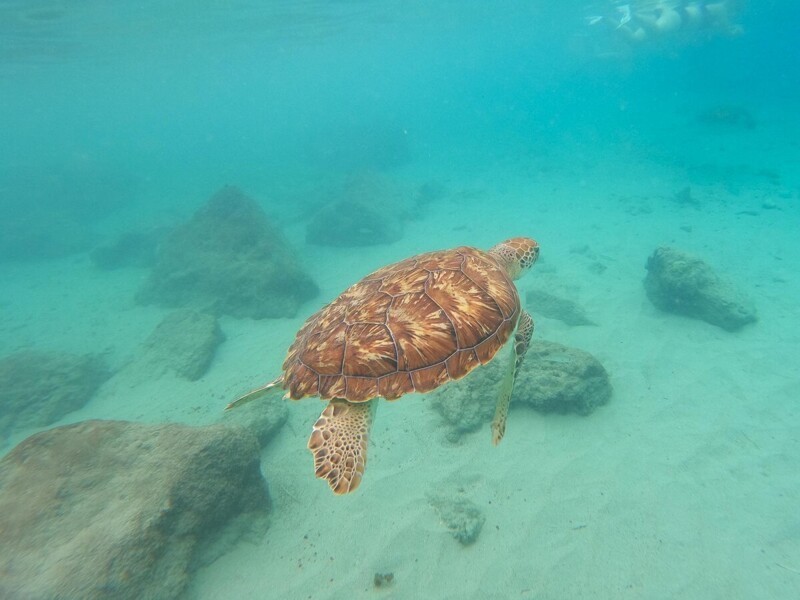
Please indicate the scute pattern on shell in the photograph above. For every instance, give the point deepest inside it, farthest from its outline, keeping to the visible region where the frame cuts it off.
(407, 327)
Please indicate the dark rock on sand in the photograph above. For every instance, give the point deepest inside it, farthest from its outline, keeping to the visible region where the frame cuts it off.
(131, 249)
(39, 388)
(557, 378)
(554, 307)
(727, 116)
(185, 342)
(553, 378)
(468, 404)
(349, 223)
(370, 209)
(684, 197)
(263, 418)
(460, 516)
(229, 259)
(118, 510)
(680, 283)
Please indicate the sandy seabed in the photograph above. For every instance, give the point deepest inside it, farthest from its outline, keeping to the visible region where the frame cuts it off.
(686, 485)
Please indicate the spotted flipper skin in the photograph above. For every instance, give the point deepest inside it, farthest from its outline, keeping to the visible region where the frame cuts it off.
(339, 443)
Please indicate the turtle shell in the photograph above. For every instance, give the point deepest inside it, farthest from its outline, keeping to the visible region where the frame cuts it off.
(408, 327)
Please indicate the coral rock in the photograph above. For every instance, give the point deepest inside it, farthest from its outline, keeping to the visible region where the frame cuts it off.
(556, 378)
(553, 378)
(229, 259)
(467, 404)
(131, 249)
(554, 307)
(462, 517)
(264, 418)
(369, 210)
(39, 388)
(684, 284)
(185, 341)
(117, 510)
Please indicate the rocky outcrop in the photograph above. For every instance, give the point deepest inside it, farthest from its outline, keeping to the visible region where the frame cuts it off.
(553, 378)
(469, 403)
(369, 209)
(184, 342)
(557, 378)
(263, 418)
(554, 307)
(119, 510)
(462, 518)
(229, 259)
(680, 283)
(129, 249)
(38, 388)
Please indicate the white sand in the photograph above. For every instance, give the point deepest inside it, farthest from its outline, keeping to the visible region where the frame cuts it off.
(686, 485)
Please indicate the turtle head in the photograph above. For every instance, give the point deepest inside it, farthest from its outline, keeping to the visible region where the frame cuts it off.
(516, 255)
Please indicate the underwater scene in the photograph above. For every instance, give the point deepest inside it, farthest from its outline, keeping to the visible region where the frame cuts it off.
(397, 299)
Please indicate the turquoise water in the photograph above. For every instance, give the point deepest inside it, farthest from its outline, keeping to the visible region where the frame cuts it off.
(367, 132)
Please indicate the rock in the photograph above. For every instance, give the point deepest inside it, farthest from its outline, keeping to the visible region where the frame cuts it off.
(727, 116)
(263, 418)
(556, 378)
(467, 404)
(370, 209)
(131, 249)
(684, 197)
(117, 510)
(229, 259)
(382, 579)
(349, 223)
(462, 517)
(185, 342)
(553, 378)
(770, 205)
(684, 284)
(554, 307)
(39, 388)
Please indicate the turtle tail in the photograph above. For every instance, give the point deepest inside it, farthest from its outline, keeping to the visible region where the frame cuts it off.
(255, 394)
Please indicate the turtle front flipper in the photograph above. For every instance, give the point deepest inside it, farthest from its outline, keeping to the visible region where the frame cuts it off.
(522, 339)
(339, 443)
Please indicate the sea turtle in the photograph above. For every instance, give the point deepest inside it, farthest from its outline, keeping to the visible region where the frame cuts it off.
(408, 327)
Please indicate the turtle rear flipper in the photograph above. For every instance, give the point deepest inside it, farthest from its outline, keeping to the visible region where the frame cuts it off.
(339, 443)
(522, 340)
